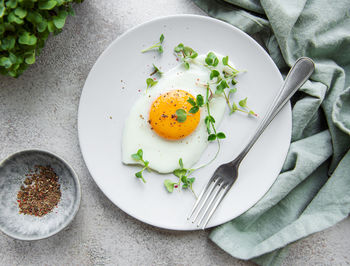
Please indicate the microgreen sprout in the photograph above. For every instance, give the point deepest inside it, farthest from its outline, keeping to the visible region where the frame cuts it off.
(150, 83)
(158, 45)
(186, 54)
(181, 114)
(156, 71)
(210, 123)
(183, 175)
(211, 59)
(139, 158)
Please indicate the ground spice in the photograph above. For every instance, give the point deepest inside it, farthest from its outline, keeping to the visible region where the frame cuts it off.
(40, 192)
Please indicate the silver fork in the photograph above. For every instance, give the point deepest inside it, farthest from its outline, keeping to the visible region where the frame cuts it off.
(226, 174)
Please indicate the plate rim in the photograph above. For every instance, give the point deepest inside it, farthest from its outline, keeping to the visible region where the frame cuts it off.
(119, 38)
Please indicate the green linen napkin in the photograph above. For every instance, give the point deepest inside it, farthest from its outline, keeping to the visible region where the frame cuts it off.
(313, 190)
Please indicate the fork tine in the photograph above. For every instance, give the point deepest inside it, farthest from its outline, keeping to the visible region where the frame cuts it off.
(218, 188)
(200, 203)
(225, 190)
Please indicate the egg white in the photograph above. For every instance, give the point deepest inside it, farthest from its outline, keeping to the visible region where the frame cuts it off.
(163, 155)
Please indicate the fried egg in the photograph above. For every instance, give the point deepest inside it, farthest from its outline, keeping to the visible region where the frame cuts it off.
(152, 125)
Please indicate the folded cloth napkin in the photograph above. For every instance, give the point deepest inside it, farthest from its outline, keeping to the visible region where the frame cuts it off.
(313, 190)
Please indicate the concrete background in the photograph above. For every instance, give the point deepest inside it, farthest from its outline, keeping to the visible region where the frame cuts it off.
(39, 110)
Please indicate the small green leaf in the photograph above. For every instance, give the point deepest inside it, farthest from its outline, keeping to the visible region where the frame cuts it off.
(234, 108)
(191, 101)
(14, 19)
(8, 43)
(42, 26)
(225, 60)
(139, 174)
(136, 157)
(47, 5)
(194, 110)
(156, 70)
(11, 4)
(160, 49)
(212, 137)
(243, 103)
(214, 73)
(191, 180)
(179, 48)
(179, 172)
(60, 20)
(211, 59)
(232, 91)
(184, 179)
(233, 81)
(161, 38)
(5, 62)
(169, 185)
(27, 38)
(221, 135)
(184, 186)
(151, 82)
(199, 100)
(50, 26)
(30, 59)
(186, 65)
(181, 115)
(20, 12)
(140, 153)
(181, 163)
(221, 87)
(193, 55)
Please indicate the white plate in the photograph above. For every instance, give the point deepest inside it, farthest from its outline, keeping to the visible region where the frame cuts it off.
(112, 87)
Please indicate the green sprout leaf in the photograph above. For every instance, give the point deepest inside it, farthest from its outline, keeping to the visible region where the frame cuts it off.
(214, 73)
(221, 87)
(169, 185)
(157, 46)
(220, 135)
(186, 54)
(194, 110)
(212, 137)
(150, 82)
(225, 60)
(138, 156)
(211, 59)
(199, 100)
(156, 70)
(191, 101)
(243, 103)
(181, 163)
(181, 115)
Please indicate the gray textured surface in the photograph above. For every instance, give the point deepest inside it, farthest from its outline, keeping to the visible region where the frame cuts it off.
(40, 110)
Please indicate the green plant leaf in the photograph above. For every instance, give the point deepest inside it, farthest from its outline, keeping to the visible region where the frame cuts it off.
(20, 12)
(30, 59)
(181, 115)
(47, 4)
(191, 101)
(211, 59)
(181, 163)
(199, 100)
(12, 18)
(243, 103)
(212, 137)
(11, 4)
(179, 172)
(5, 62)
(169, 185)
(194, 110)
(161, 38)
(27, 38)
(225, 60)
(8, 43)
(60, 20)
(214, 73)
(220, 135)
(221, 87)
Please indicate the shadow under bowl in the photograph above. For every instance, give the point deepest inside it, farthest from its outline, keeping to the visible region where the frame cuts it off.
(12, 174)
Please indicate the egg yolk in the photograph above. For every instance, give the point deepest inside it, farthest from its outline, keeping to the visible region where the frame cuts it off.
(162, 116)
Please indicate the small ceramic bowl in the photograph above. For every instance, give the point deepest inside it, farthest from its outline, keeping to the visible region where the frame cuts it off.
(12, 174)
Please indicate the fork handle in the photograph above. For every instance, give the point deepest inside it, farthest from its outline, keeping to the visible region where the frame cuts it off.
(297, 76)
